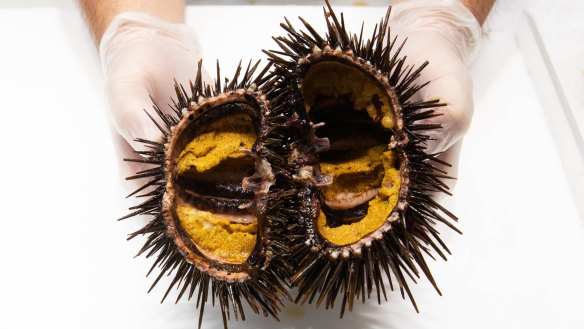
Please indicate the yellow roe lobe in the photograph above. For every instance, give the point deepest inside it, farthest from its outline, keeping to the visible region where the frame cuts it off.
(216, 236)
(379, 208)
(223, 139)
(357, 174)
(334, 79)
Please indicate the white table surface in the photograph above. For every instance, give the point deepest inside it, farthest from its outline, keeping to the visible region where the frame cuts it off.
(64, 259)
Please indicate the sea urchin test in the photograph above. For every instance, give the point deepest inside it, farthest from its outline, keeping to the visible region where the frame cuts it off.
(365, 180)
(214, 197)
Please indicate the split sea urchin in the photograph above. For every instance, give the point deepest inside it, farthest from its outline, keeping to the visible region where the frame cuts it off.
(365, 180)
(315, 173)
(212, 195)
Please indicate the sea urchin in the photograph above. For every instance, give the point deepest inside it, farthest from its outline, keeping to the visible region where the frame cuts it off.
(213, 196)
(365, 205)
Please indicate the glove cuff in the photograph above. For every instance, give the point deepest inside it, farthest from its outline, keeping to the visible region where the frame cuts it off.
(130, 27)
(449, 19)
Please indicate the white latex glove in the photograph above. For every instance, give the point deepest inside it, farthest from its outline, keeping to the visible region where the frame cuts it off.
(141, 55)
(445, 33)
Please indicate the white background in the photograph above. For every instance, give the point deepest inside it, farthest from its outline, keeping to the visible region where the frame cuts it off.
(64, 259)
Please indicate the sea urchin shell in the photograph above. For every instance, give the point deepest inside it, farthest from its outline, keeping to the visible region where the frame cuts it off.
(213, 197)
(365, 208)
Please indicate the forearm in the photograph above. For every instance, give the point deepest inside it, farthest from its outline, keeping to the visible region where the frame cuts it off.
(99, 13)
(479, 8)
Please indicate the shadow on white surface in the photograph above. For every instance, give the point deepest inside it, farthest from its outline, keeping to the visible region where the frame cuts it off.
(293, 316)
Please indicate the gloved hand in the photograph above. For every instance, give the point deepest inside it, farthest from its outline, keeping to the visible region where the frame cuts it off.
(141, 55)
(445, 33)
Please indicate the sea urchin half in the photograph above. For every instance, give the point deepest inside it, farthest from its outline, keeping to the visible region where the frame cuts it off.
(212, 195)
(365, 181)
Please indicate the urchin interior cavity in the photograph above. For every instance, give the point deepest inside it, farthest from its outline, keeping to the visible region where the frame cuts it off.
(358, 121)
(332, 79)
(211, 207)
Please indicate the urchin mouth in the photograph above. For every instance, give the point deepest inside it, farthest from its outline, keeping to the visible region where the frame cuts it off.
(359, 122)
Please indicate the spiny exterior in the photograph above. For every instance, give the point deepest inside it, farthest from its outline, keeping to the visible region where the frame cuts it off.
(325, 272)
(264, 289)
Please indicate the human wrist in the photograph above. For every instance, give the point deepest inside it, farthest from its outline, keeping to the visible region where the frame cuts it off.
(479, 8)
(100, 13)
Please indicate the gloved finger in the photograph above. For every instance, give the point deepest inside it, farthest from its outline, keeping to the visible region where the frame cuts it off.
(456, 115)
(136, 87)
(449, 82)
(128, 99)
(127, 169)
